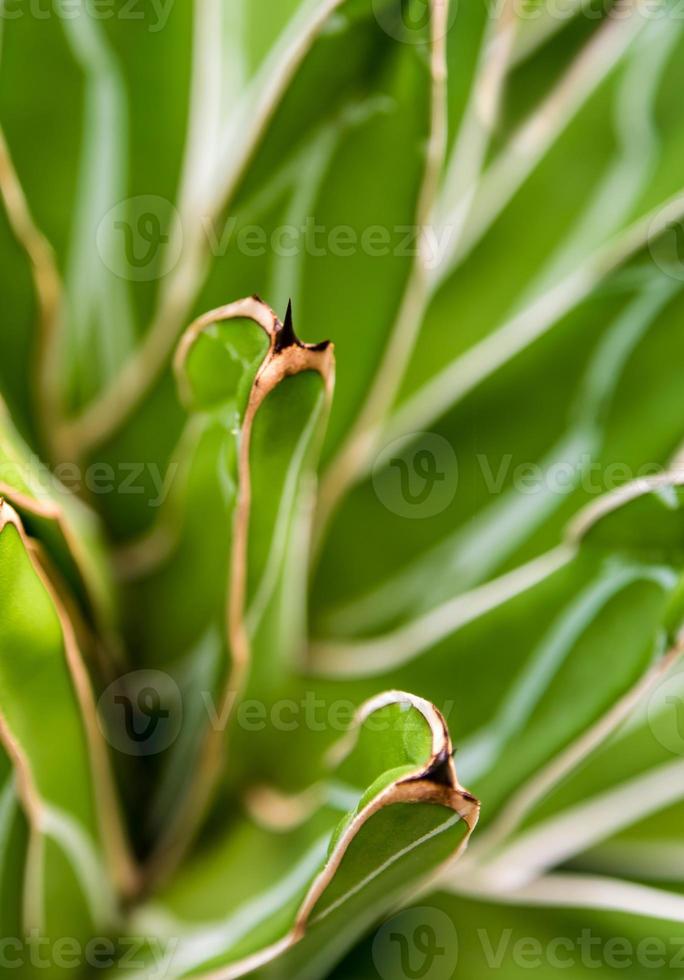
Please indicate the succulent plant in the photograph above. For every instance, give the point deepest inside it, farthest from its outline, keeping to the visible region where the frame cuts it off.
(260, 598)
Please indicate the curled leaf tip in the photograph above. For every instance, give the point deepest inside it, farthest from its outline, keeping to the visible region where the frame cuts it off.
(441, 769)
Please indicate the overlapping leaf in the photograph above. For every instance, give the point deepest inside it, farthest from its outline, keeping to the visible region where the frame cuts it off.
(68, 530)
(65, 861)
(567, 640)
(391, 813)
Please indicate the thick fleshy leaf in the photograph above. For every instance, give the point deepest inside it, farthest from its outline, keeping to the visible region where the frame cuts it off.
(619, 782)
(228, 588)
(68, 531)
(584, 626)
(332, 873)
(60, 810)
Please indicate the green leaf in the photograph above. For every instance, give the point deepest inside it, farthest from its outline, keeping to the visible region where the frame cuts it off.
(336, 872)
(59, 801)
(68, 530)
(229, 587)
(584, 626)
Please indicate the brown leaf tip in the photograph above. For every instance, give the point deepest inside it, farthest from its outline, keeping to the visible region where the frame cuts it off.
(286, 337)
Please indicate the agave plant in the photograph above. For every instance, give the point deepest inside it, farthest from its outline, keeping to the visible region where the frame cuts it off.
(253, 590)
